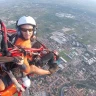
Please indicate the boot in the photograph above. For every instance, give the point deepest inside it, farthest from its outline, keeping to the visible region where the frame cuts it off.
(53, 68)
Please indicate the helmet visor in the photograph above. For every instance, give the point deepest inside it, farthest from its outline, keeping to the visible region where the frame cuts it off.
(25, 30)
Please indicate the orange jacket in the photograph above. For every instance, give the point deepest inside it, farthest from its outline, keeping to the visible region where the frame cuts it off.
(24, 44)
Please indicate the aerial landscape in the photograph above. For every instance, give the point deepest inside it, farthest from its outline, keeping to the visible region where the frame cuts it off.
(68, 27)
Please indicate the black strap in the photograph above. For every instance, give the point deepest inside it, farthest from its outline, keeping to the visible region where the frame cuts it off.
(13, 38)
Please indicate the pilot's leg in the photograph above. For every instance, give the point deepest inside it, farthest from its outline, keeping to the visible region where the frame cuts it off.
(49, 57)
(2, 86)
(5, 81)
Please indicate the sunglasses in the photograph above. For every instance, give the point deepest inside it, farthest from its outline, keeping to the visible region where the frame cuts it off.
(25, 30)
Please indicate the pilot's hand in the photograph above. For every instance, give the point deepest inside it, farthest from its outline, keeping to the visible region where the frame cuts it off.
(19, 60)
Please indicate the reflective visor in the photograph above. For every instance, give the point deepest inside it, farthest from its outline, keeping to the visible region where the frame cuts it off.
(25, 30)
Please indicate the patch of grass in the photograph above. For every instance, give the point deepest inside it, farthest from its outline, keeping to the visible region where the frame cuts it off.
(62, 53)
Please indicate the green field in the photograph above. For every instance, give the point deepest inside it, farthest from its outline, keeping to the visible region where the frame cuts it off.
(62, 54)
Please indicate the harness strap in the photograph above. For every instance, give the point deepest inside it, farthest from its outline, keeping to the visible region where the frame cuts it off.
(13, 38)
